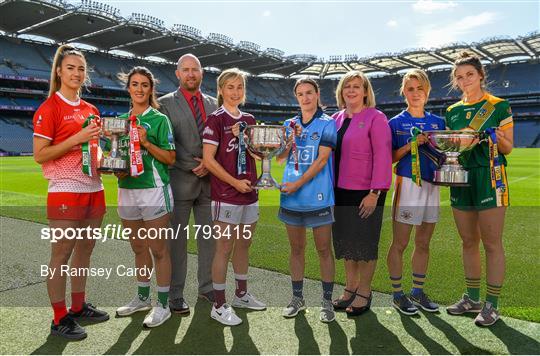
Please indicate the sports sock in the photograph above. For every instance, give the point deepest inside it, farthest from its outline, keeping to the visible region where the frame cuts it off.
(219, 294)
(418, 283)
(163, 295)
(397, 291)
(492, 294)
(59, 310)
(77, 301)
(473, 288)
(298, 288)
(241, 284)
(328, 288)
(143, 290)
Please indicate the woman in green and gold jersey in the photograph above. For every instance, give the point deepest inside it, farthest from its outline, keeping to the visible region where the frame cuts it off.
(479, 209)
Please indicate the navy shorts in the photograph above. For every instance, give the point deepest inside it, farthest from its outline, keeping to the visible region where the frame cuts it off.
(314, 218)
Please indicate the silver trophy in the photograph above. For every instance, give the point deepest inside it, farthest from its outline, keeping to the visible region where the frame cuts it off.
(114, 128)
(266, 141)
(452, 143)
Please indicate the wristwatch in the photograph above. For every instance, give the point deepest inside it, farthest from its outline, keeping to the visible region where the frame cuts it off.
(377, 192)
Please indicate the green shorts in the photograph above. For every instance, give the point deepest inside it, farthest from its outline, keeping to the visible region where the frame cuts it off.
(480, 195)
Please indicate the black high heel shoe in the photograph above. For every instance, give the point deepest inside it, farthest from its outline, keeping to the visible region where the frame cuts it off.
(341, 304)
(355, 311)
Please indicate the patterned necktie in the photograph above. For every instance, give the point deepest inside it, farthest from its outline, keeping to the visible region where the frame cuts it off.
(198, 115)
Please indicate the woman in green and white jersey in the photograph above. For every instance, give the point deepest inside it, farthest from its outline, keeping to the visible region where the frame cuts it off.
(145, 201)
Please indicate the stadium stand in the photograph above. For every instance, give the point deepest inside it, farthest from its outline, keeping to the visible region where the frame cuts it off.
(25, 65)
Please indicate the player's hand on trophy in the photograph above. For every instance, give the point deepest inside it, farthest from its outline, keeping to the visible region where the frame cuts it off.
(90, 132)
(243, 185)
(290, 187)
(200, 171)
(236, 129)
(421, 139)
(297, 130)
(142, 136)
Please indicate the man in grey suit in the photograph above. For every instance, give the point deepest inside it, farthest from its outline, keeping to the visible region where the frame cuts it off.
(187, 108)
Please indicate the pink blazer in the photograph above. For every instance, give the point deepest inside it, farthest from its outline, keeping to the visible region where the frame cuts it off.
(366, 151)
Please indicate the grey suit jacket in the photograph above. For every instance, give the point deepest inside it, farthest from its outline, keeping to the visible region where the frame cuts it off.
(184, 183)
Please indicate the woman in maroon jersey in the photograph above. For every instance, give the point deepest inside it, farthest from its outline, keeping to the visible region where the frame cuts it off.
(235, 209)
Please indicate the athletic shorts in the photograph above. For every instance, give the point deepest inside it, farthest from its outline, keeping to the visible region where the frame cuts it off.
(480, 195)
(144, 204)
(235, 214)
(75, 206)
(314, 218)
(414, 205)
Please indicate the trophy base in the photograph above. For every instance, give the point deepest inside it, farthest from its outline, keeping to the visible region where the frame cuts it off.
(266, 182)
(113, 170)
(113, 165)
(451, 177)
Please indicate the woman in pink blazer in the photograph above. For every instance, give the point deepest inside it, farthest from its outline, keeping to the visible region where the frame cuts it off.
(363, 174)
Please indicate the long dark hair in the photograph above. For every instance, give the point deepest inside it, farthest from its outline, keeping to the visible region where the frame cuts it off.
(126, 79)
(468, 58)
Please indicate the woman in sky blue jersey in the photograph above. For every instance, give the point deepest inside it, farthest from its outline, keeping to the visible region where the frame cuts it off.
(307, 198)
(416, 199)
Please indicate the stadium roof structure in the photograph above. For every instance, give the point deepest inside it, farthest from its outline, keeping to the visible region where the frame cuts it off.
(101, 26)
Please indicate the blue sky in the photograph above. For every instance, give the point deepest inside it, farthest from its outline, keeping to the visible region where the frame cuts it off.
(364, 28)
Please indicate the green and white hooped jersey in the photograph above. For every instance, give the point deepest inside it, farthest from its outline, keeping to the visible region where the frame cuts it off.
(159, 132)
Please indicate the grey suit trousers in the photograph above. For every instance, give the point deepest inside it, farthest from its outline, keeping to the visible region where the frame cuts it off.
(178, 247)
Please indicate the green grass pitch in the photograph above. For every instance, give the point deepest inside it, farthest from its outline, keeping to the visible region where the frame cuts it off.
(23, 195)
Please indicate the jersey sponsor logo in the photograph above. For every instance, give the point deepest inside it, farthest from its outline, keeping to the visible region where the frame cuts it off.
(146, 126)
(232, 146)
(320, 196)
(228, 214)
(38, 122)
(488, 199)
(170, 138)
(306, 155)
(69, 117)
(482, 113)
(208, 131)
(315, 136)
(434, 126)
(361, 124)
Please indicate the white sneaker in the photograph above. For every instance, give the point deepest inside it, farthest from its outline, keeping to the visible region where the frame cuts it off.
(296, 305)
(225, 315)
(248, 301)
(157, 316)
(135, 305)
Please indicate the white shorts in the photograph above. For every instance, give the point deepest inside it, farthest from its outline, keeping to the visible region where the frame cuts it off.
(235, 214)
(144, 204)
(413, 204)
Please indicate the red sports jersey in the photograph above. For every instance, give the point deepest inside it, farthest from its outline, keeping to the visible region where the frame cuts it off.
(56, 120)
(218, 131)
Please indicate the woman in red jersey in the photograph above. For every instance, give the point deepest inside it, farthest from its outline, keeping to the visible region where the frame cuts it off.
(235, 208)
(63, 130)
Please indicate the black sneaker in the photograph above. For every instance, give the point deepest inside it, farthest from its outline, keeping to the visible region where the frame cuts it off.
(179, 306)
(89, 313)
(422, 300)
(404, 305)
(68, 328)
